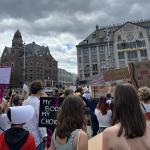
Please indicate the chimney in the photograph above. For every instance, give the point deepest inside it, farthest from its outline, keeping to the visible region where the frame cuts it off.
(97, 27)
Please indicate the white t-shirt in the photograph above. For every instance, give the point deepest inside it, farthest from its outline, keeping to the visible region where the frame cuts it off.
(32, 125)
(109, 101)
(4, 122)
(146, 107)
(103, 120)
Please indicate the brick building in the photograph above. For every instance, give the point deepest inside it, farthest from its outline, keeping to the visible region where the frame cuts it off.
(29, 62)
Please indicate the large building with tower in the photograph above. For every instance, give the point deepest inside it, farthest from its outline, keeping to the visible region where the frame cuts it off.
(29, 62)
(113, 46)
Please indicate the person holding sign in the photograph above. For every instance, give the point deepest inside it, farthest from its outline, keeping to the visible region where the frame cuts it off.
(130, 130)
(36, 91)
(70, 130)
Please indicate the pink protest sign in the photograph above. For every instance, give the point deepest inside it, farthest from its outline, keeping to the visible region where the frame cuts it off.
(5, 73)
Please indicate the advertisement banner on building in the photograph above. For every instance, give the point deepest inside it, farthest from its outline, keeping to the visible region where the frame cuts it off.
(140, 73)
(116, 74)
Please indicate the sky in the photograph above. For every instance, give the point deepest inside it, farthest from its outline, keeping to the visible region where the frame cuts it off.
(62, 24)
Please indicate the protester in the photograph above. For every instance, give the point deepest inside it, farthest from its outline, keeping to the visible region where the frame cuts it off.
(17, 138)
(4, 122)
(39, 134)
(68, 92)
(103, 114)
(144, 96)
(130, 130)
(70, 130)
(16, 100)
(109, 99)
(86, 93)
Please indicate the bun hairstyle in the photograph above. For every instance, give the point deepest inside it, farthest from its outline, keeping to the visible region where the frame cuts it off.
(144, 93)
(36, 86)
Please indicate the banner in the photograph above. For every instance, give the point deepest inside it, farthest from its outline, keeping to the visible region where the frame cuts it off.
(97, 79)
(116, 74)
(140, 73)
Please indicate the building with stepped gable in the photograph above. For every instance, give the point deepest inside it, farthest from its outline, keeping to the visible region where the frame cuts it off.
(113, 46)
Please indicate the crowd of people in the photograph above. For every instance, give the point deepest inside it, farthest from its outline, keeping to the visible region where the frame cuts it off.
(122, 117)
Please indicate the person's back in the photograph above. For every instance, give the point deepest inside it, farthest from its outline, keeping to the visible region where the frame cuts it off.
(123, 143)
(17, 138)
(33, 100)
(71, 143)
(69, 133)
(130, 130)
(4, 123)
(32, 124)
(104, 120)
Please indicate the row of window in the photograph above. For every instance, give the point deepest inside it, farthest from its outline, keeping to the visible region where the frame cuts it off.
(131, 45)
(93, 51)
(132, 54)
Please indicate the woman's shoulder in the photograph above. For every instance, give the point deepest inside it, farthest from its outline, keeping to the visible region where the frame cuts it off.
(113, 130)
(83, 133)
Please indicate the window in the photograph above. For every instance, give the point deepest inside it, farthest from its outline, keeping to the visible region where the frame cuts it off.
(121, 55)
(86, 59)
(101, 39)
(102, 49)
(85, 51)
(140, 35)
(79, 59)
(94, 58)
(95, 67)
(93, 50)
(79, 51)
(119, 37)
(132, 54)
(143, 53)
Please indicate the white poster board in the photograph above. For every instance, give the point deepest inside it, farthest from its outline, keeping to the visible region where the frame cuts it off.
(5, 73)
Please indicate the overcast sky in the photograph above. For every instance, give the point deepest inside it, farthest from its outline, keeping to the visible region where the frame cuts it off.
(62, 24)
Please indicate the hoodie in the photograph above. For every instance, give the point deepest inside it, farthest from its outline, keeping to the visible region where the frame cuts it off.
(15, 138)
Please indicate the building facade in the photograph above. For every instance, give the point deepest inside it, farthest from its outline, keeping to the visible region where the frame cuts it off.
(66, 78)
(29, 62)
(113, 47)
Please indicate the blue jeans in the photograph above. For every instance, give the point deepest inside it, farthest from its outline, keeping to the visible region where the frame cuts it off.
(40, 146)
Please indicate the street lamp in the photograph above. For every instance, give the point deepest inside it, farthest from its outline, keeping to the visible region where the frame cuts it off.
(108, 56)
(24, 63)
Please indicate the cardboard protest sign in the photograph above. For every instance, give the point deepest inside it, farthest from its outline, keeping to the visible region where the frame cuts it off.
(140, 73)
(116, 74)
(49, 107)
(95, 143)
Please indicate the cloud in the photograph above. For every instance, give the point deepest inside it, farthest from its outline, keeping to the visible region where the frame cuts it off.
(61, 24)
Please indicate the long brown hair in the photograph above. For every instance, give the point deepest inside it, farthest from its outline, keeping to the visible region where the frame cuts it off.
(127, 112)
(102, 105)
(71, 116)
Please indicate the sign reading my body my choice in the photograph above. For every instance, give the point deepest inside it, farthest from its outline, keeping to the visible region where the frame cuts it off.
(49, 107)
